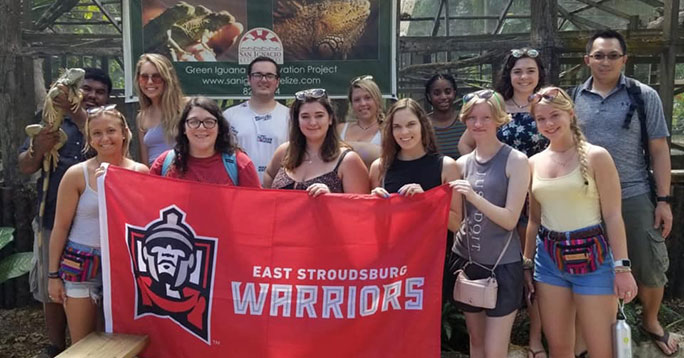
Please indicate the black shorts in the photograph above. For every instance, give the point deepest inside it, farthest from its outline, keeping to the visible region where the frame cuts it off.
(509, 277)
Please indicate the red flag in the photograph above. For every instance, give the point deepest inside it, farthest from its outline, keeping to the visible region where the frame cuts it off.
(214, 271)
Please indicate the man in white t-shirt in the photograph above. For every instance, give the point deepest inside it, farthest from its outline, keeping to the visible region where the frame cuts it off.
(260, 123)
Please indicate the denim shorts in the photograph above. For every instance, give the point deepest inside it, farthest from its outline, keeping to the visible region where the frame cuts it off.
(91, 288)
(598, 282)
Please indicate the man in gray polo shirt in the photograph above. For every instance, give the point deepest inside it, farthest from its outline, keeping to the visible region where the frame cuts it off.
(602, 104)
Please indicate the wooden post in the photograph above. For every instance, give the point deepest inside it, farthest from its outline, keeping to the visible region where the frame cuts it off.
(543, 36)
(668, 60)
(10, 101)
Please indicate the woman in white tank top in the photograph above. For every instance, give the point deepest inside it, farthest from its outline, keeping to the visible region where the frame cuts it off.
(575, 188)
(74, 271)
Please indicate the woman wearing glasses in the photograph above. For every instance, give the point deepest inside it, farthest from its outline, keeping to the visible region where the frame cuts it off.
(368, 110)
(74, 274)
(161, 103)
(494, 184)
(315, 159)
(522, 74)
(206, 150)
(440, 93)
(575, 188)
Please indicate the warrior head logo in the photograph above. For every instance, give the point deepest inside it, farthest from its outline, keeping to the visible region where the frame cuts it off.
(174, 270)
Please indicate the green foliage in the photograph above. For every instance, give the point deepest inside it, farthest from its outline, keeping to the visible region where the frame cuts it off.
(16, 264)
(678, 115)
(454, 331)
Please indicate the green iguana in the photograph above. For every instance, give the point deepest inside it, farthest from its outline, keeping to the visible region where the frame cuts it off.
(53, 117)
(326, 29)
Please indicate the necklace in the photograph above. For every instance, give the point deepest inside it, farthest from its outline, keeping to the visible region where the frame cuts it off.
(563, 163)
(366, 128)
(517, 105)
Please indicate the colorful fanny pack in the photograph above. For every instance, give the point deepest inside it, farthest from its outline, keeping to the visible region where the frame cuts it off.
(576, 252)
(79, 265)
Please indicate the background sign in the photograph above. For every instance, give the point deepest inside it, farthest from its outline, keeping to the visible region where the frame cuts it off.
(320, 43)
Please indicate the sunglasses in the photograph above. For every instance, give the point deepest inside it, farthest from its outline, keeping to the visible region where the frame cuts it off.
(611, 56)
(482, 94)
(313, 93)
(361, 78)
(518, 53)
(549, 95)
(96, 110)
(155, 77)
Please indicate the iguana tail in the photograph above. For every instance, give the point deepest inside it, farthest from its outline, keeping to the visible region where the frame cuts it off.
(43, 203)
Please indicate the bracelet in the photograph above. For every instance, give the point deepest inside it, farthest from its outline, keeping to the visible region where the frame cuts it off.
(528, 264)
(53, 274)
(621, 269)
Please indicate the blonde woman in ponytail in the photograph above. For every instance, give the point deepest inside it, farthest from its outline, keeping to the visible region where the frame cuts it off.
(579, 270)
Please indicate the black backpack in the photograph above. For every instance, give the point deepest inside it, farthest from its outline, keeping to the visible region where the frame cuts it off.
(637, 104)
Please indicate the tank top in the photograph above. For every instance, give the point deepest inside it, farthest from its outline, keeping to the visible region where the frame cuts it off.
(487, 239)
(426, 171)
(156, 143)
(85, 228)
(566, 203)
(331, 179)
(377, 138)
(448, 137)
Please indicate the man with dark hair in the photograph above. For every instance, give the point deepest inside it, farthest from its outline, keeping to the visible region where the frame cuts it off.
(626, 117)
(260, 123)
(96, 88)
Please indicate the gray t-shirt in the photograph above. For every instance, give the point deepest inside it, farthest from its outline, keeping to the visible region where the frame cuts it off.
(601, 120)
(487, 239)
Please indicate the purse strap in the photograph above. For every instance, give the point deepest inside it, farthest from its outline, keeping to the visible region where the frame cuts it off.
(470, 259)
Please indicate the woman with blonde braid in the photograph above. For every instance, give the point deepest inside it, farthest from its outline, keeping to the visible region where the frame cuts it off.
(161, 104)
(574, 189)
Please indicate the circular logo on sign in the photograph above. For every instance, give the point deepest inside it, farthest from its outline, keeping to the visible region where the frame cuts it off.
(260, 41)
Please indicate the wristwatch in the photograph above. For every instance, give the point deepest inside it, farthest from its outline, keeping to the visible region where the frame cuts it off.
(667, 198)
(622, 263)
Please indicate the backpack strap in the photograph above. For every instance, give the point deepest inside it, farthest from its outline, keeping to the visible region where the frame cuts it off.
(170, 156)
(573, 91)
(230, 163)
(637, 103)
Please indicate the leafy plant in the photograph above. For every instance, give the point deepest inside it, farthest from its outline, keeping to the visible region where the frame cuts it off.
(454, 331)
(16, 264)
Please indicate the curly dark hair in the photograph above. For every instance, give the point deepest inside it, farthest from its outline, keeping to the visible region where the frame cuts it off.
(503, 84)
(439, 76)
(297, 148)
(225, 142)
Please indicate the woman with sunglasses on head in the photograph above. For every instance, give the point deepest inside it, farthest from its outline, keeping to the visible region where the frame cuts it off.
(75, 277)
(410, 162)
(522, 74)
(161, 103)
(315, 159)
(494, 184)
(368, 110)
(575, 188)
(440, 93)
(206, 150)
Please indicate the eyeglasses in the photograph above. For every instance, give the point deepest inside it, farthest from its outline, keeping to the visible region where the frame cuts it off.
(208, 123)
(259, 76)
(155, 77)
(96, 110)
(548, 95)
(482, 94)
(530, 52)
(599, 56)
(361, 78)
(314, 93)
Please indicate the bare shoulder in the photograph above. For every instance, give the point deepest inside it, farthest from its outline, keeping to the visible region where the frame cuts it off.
(351, 158)
(450, 169)
(598, 156)
(340, 127)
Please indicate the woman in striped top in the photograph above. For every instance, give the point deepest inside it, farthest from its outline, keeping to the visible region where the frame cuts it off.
(440, 92)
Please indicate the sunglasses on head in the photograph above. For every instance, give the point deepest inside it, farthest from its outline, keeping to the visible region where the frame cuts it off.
(482, 94)
(313, 93)
(548, 95)
(518, 53)
(96, 110)
(361, 78)
(155, 77)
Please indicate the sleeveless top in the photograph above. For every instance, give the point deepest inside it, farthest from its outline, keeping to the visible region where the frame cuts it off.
(331, 179)
(85, 228)
(426, 171)
(377, 138)
(156, 143)
(521, 133)
(566, 203)
(487, 239)
(448, 137)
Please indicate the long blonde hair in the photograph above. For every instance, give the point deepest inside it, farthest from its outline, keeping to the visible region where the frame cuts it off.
(563, 102)
(172, 99)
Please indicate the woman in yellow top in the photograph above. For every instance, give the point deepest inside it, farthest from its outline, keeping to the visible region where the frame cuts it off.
(579, 270)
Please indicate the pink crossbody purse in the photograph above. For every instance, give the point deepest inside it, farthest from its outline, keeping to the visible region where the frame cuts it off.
(481, 292)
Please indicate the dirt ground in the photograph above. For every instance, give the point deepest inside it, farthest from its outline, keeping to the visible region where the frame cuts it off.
(22, 333)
